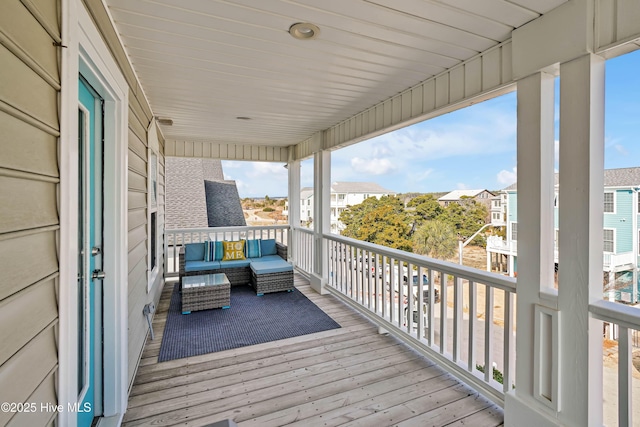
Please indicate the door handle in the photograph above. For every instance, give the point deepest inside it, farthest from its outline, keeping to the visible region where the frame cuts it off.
(97, 274)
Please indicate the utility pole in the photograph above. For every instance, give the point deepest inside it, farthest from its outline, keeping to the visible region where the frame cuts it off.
(462, 244)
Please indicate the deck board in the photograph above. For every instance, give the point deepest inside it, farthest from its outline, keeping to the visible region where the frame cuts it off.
(347, 376)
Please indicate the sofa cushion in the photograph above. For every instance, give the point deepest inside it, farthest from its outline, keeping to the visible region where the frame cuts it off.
(213, 251)
(194, 252)
(233, 250)
(267, 258)
(238, 263)
(268, 247)
(252, 249)
(200, 265)
(266, 267)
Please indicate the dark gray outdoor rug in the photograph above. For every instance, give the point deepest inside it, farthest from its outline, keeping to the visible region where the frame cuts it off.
(250, 320)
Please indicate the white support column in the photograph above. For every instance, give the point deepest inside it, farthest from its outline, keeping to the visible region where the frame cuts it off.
(293, 167)
(581, 234)
(321, 217)
(523, 406)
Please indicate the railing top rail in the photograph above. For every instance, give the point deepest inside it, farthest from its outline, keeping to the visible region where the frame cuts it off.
(303, 230)
(461, 271)
(620, 314)
(223, 229)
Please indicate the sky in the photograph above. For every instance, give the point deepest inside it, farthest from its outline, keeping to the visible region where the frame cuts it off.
(472, 148)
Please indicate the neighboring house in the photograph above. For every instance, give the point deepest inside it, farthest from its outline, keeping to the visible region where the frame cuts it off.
(621, 233)
(481, 196)
(343, 195)
(198, 196)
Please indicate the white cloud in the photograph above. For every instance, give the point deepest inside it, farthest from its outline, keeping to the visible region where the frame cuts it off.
(423, 175)
(372, 166)
(462, 186)
(620, 149)
(506, 177)
(267, 169)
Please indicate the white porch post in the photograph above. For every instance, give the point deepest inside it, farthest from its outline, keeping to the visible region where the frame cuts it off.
(525, 405)
(321, 217)
(581, 234)
(293, 167)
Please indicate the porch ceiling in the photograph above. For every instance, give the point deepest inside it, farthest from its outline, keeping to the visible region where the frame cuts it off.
(203, 63)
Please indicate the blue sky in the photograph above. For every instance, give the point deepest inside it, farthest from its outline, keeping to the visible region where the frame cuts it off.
(471, 148)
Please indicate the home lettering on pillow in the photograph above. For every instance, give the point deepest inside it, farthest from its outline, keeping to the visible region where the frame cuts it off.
(233, 250)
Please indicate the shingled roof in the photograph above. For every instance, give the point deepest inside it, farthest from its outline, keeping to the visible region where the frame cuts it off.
(621, 177)
(359, 187)
(197, 195)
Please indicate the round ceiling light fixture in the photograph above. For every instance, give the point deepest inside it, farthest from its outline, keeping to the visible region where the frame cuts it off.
(304, 31)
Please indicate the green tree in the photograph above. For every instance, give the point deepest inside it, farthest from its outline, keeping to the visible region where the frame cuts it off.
(426, 207)
(381, 221)
(466, 218)
(436, 239)
(387, 227)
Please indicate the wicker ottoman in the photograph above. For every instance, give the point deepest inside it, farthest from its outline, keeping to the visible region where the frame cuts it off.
(205, 292)
(266, 278)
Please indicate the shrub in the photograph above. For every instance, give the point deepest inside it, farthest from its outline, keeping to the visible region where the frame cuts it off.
(268, 209)
(497, 375)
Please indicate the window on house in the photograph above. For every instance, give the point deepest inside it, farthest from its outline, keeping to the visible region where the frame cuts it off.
(608, 240)
(340, 196)
(152, 198)
(514, 231)
(608, 202)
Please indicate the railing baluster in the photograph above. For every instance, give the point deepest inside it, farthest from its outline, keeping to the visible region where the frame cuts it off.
(383, 285)
(408, 310)
(431, 307)
(457, 317)
(472, 323)
(624, 377)
(443, 311)
(400, 291)
(508, 352)
(420, 303)
(488, 333)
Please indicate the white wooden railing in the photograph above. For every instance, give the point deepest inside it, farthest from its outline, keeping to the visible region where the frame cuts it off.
(626, 319)
(618, 260)
(304, 250)
(454, 330)
(174, 239)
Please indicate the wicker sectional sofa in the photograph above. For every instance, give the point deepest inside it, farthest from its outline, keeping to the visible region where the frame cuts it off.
(269, 272)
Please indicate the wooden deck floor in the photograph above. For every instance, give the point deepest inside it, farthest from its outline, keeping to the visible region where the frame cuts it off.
(350, 376)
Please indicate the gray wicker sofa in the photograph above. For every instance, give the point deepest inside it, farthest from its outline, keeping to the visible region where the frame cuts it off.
(267, 272)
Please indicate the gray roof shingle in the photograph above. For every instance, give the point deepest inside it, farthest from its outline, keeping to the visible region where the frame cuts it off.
(621, 177)
(197, 195)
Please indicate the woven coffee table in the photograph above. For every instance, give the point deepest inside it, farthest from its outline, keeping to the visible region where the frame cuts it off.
(205, 292)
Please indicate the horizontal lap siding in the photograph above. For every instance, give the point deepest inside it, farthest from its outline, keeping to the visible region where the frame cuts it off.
(29, 221)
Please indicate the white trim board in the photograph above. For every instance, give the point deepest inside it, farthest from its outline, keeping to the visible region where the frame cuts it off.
(86, 53)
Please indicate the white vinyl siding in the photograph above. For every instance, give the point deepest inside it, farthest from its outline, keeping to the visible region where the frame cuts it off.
(29, 218)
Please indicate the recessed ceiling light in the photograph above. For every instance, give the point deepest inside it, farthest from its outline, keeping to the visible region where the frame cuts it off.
(164, 121)
(304, 31)
(243, 118)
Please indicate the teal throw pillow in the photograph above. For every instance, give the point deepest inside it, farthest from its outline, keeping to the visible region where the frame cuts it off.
(252, 249)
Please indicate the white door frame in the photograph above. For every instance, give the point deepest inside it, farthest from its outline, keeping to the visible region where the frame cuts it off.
(84, 52)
